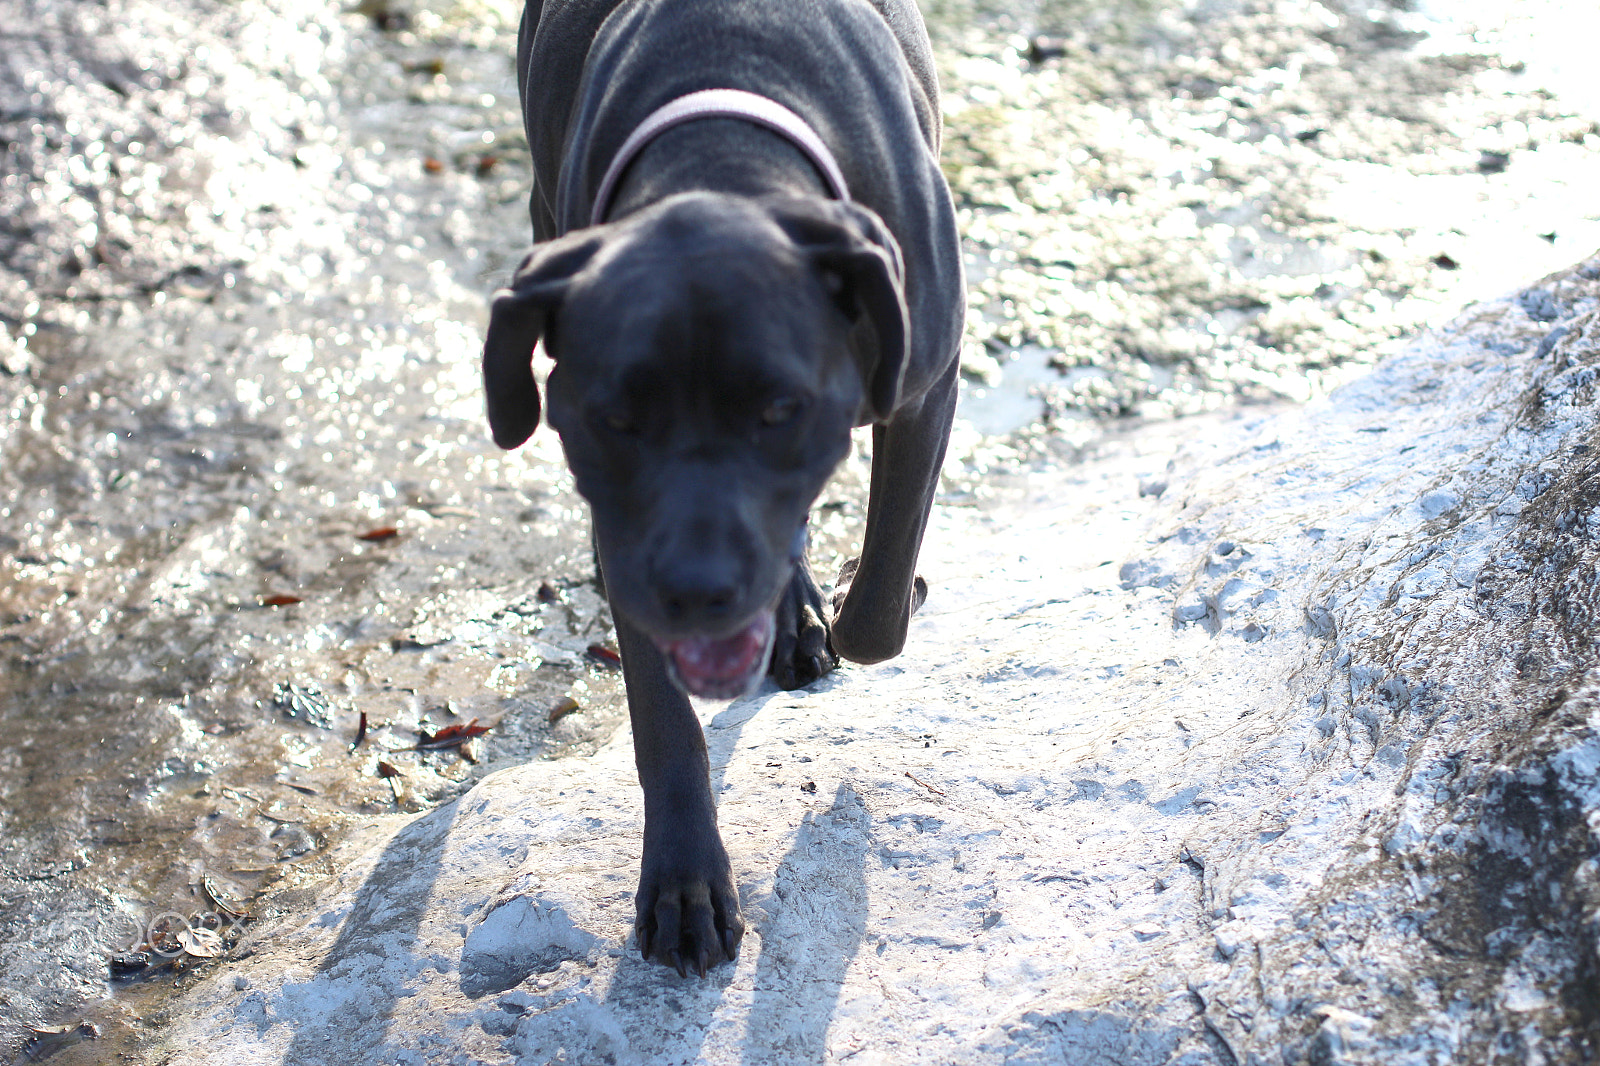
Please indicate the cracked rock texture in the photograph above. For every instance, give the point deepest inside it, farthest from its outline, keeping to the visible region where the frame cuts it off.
(1261, 739)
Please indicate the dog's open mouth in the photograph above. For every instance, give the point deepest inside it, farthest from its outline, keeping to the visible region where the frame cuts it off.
(722, 668)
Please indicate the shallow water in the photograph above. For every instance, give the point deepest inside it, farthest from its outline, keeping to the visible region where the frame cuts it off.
(243, 260)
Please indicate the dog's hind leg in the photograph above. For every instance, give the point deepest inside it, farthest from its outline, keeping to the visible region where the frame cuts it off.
(687, 908)
(874, 609)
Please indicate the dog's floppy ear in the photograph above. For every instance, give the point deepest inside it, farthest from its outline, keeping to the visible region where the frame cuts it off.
(516, 321)
(860, 262)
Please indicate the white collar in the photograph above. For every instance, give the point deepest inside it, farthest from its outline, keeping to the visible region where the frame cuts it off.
(720, 103)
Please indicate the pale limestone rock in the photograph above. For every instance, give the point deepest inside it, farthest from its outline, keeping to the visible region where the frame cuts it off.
(1347, 813)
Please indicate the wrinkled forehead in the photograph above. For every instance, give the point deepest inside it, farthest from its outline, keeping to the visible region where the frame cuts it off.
(692, 305)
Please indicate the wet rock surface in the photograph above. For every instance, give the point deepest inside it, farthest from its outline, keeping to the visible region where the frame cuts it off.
(247, 504)
(243, 476)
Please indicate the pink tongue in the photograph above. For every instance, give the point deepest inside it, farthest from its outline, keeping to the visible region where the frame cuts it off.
(722, 668)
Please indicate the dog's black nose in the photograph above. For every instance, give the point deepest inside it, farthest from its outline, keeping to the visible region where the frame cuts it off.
(697, 593)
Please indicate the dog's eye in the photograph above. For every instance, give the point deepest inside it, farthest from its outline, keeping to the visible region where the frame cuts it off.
(780, 411)
(618, 422)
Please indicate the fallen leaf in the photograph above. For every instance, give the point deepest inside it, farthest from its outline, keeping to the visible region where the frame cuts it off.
(387, 770)
(227, 902)
(565, 707)
(450, 736)
(201, 943)
(381, 533)
(280, 600)
(49, 1039)
(605, 655)
(432, 165)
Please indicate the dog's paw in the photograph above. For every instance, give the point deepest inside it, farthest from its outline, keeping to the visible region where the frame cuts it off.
(802, 652)
(841, 586)
(689, 920)
(869, 621)
(847, 575)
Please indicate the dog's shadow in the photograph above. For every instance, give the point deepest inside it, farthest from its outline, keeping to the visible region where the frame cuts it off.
(814, 925)
(331, 1021)
(811, 927)
(806, 931)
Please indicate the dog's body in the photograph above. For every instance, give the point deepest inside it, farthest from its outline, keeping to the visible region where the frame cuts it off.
(717, 335)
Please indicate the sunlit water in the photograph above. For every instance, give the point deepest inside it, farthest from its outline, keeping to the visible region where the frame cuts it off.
(243, 261)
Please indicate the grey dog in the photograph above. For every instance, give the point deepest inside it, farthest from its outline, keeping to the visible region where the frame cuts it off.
(746, 250)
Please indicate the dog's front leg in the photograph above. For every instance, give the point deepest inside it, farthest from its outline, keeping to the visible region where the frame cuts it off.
(874, 608)
(687, 909)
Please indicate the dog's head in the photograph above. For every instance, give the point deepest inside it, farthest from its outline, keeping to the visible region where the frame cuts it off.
(711, 357)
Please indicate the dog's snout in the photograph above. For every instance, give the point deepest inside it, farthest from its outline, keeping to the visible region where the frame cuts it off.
(700, 592)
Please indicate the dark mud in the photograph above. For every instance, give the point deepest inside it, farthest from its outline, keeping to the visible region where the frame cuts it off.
(243, 259)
